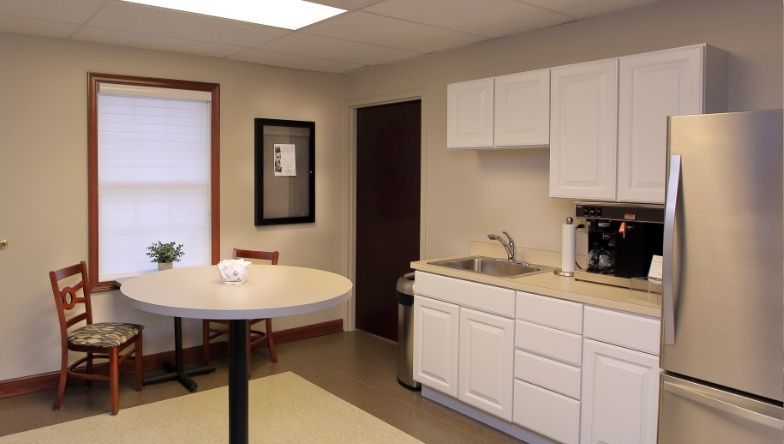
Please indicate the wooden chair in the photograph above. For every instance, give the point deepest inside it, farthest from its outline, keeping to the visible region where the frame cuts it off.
(256, 338)
(104, 340)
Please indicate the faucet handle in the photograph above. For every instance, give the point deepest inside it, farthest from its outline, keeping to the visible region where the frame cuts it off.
(507, 236)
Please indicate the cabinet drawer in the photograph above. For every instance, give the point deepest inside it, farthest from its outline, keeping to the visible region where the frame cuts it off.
(552, 375)
(546, 412)
(624, 329)
(500, 301)
(549, 342)
(551, 312)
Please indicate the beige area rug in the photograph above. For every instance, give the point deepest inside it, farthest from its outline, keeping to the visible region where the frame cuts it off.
(283, 408)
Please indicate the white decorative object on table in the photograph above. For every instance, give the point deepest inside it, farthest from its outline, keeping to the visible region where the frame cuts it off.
(233, 271)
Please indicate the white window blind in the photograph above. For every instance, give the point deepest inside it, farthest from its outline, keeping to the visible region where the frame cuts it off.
(153, 177)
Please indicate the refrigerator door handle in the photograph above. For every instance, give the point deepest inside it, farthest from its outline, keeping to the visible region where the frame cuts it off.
(723, 406)
(670, 299)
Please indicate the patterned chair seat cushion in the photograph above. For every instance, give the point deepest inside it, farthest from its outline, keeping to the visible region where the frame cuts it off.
(104, 334)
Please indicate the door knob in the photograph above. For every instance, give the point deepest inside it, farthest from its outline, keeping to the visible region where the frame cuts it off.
(3, 244)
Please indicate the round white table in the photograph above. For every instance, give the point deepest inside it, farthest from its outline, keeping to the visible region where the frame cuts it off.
(270, 291)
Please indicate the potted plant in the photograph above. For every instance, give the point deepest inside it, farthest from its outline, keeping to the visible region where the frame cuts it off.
(165, 253)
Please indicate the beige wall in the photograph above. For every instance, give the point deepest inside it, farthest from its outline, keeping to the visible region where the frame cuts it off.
(43, 183)
(467, 194)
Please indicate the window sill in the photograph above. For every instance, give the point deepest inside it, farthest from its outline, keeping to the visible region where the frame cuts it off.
(105, 286)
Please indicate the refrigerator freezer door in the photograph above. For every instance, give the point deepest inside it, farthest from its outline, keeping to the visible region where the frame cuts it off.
(725, 260)
(694, 413)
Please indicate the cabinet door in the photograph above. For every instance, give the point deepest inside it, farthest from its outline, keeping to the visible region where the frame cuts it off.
(652, 87)
(435, 344)
(522, 109)
(470, 114)
(583, 130)
(620, 397)
(486, 356)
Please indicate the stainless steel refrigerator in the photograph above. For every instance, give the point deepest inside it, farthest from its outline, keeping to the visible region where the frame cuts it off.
(722, 348)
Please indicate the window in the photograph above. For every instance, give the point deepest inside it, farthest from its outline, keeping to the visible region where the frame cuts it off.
(153, 153)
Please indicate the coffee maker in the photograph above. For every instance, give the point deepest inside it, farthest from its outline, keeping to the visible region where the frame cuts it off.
(622, 240)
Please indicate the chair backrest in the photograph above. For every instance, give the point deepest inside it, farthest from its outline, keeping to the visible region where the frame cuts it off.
(66, 297)
(271, 256)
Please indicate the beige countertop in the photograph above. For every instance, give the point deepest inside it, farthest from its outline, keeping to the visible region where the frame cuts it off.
(549, 284)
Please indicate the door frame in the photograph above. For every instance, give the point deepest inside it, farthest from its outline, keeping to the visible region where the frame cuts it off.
(351, 226)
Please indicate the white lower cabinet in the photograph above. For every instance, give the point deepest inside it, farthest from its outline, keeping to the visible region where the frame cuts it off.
(620, 395)
(436, 344)
(464, 341)
(526, 363)
(485, 370)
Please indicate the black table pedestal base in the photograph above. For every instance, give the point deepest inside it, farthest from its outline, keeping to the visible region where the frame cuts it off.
(177, 370)
(238, 381)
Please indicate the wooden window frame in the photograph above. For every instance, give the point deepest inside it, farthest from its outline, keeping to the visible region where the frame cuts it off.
(93, 80)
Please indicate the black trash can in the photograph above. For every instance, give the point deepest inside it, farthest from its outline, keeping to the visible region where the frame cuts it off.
(405, 332)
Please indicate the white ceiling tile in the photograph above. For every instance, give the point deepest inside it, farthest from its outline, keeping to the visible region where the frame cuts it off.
(183, 25)
(36, 27)
(293, 61)
(587, 8)
(137, 40)
(374, 29)
(346, 4)
(71, 11)
(490, 18)
(324, 47)
(374, 32)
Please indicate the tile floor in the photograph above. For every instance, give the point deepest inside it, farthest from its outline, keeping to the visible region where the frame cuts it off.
(356, 366)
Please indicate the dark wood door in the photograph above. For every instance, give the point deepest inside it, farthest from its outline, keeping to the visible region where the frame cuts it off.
(388, 167)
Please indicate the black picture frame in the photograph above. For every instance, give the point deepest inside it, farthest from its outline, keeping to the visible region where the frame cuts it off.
(284, 199)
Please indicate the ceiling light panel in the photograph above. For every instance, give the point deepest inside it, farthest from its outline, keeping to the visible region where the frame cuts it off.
(163, 22)
(289, 14)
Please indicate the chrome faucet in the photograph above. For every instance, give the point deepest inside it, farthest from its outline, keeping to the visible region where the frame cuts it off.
(508, 244)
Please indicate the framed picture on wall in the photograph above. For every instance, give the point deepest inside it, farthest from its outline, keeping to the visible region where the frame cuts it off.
(285, 167)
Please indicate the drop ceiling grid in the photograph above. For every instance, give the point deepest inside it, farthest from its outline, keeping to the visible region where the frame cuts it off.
(586, 8)
(146, 41)
(488, 18)
(374, 29)
(68, 11)
(372, 32)
(44, 28)
(343, 50)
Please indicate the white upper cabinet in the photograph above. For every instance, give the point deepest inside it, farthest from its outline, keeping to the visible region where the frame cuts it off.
(470, 114)
(522, 109)
(506, 112)
(591, 157)
(652, 87)
(583, 130)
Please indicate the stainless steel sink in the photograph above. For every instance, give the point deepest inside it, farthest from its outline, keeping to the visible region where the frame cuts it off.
(491, 266)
